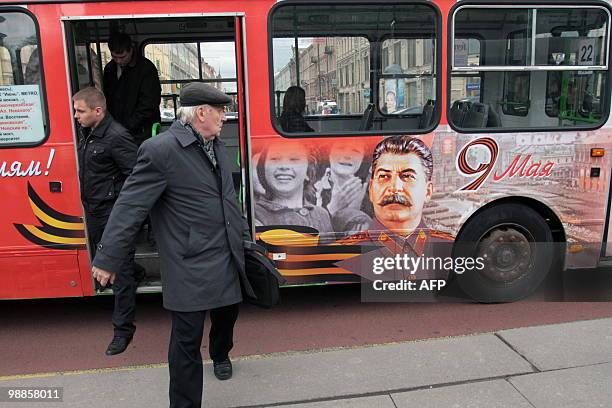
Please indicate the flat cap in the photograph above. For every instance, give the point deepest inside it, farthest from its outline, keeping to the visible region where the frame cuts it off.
(198, 93)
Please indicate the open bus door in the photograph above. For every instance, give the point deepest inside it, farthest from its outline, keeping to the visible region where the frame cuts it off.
(184, 49)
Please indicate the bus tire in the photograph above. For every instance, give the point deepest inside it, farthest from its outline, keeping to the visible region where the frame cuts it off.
(516, 248)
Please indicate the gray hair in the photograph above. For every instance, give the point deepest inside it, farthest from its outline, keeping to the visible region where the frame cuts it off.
(186, 114)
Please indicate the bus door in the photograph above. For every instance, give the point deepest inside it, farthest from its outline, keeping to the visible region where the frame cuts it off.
(184, 49)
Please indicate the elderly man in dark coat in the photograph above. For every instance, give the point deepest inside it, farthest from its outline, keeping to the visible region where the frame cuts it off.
(183, 177)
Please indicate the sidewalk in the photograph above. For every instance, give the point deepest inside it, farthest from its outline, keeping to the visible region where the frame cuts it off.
(555, 366)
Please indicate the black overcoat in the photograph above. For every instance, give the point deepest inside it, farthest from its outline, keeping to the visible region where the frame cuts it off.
(196, 220)
(134, 99)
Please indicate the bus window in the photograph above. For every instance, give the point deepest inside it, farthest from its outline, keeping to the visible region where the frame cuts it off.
(347, 69)
(23, 121)
(180, 63)
(555, 80)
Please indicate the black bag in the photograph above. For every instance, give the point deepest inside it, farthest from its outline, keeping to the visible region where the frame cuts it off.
(263, 277)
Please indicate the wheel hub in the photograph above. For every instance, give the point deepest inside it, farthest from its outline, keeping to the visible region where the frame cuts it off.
(507, 255)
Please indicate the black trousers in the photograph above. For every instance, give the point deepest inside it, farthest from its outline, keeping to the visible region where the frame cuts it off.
(124, 287)
(184, 357)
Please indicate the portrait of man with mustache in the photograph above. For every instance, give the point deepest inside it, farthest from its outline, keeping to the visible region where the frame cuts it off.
(399, 188)
(401, 185)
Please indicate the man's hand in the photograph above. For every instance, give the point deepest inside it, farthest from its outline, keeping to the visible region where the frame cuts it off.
(102, 276)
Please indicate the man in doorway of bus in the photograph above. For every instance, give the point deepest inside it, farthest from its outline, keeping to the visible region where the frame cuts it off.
(183, 177)
(132, 88)
(399, 188)
(107, 155)
(133, 94)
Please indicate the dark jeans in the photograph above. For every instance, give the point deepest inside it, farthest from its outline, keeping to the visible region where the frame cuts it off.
(124, 286)
(184, 357)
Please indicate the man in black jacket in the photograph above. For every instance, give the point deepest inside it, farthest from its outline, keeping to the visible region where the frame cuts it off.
(107, 156)
(184, 178)
(132, 88)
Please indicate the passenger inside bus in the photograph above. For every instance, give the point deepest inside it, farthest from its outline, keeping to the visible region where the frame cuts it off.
(294, 105)
(132, 88)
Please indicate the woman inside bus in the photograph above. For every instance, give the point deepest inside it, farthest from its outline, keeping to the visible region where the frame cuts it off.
(342, 189)
(285, 172)
(294, 105)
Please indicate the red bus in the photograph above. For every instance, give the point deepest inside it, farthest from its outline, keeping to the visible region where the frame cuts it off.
(504, 104)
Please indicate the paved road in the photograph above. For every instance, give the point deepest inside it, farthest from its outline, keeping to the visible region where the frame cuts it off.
(71, 334)
(565, 365)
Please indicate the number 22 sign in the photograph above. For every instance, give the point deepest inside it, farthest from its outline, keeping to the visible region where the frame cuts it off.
(586, 51)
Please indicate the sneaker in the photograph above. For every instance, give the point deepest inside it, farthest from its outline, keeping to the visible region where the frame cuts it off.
(223, 369)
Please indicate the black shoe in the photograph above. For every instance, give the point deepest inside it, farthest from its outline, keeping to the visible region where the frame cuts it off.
(118, 345)
(223, 369)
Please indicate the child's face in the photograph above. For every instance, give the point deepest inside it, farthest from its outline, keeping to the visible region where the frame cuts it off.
(345, 158)
(286, 169)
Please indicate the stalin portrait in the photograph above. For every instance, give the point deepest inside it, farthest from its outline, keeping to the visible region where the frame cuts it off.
(400, 187)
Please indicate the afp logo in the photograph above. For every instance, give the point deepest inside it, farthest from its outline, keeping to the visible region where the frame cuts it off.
(483, 154)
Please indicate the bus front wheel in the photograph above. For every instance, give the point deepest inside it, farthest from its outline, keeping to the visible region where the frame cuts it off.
(512, 247)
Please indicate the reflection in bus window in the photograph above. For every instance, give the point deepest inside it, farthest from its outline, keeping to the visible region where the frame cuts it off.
(466, 85)
(407, 82)
(390, 102)
(180, 63)
(30, 57)
(515, 100)
(516, 93)
(88, 72)
(328, 72)
(347, 89)
(555, 80)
